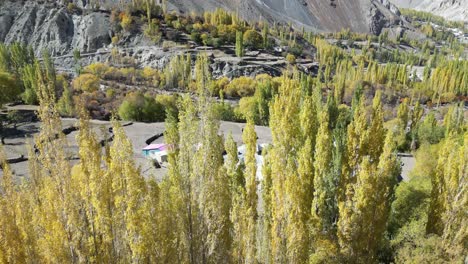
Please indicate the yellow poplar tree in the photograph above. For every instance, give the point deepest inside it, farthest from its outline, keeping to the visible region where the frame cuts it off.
(251, 200)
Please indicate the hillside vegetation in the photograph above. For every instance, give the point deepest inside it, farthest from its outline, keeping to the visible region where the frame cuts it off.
(328, 190)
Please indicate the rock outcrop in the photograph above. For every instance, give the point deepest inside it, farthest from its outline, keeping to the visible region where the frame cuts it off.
(52, 27)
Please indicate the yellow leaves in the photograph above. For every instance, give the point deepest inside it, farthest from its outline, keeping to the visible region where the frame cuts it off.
(126, 21)
(86, 82)
(240, 87)
(98, 69)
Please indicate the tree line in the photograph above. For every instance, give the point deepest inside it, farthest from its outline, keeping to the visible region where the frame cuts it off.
(327, 193)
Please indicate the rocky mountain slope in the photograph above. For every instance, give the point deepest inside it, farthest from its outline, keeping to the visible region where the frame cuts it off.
(369, 16)
(50, 25)
(456, 10)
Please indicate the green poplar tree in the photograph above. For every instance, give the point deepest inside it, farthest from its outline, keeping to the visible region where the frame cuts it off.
(239, 44)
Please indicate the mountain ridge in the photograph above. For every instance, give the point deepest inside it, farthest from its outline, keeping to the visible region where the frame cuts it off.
(454, 10)
(49, 25)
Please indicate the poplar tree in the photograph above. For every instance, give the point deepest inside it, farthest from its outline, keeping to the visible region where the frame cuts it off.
(87, 176)
(129, 188)
(264, 248)
(213, 194)
(239, 44)
(56, 209)
(362, 226)
(447, 187)
(251, 200)
(187, 241)
(289, 237)
(12, 243)
(376, 133)
(456, 197)
(265, 32)
(324, 204)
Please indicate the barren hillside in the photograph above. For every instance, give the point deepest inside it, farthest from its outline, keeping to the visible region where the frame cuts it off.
(456, 10)
(369, 16)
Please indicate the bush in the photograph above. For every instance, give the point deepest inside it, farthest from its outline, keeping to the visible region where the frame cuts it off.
(9, 89)
(226, 112)
(126, 21)
(429, 132)
(97, 68)
(216, 42)
(143, 108)
(253, 39)
(240, 87)
(115, 40)
(196, 37)
(296, 50)
(65, 104)
(86, 82)
(290, 58)
(153, 32)
(173, 35)
(219, 85)
(169, 102)
(151, 76)
(72, 8)
(110, 93)
(206, 40)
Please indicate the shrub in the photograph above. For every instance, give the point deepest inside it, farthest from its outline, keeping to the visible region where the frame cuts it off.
(219, 85)
(206, 39)
(216, 42)
(290, 58)
(226, 112)
(170, 17)
(126, 21)
(65, 104)
(72, 8)
(139, 107)
(153, 32)
(152, 76)
(86, 82)
(110, 93)
(97, 68)
(169, 102)
(240, 87)
(172, 35)
(166, 45)
(196, 37)
(115, 40)
(249, 108)
(296, 50)
(253, 39)
(429, 132)
(9, 89)
(197, 27)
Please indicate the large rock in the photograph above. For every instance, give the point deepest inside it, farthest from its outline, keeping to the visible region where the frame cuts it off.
(52, 27)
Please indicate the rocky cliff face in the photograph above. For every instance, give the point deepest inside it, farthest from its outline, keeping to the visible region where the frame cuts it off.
(49, 26)
(456, 10)
(368, 16)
